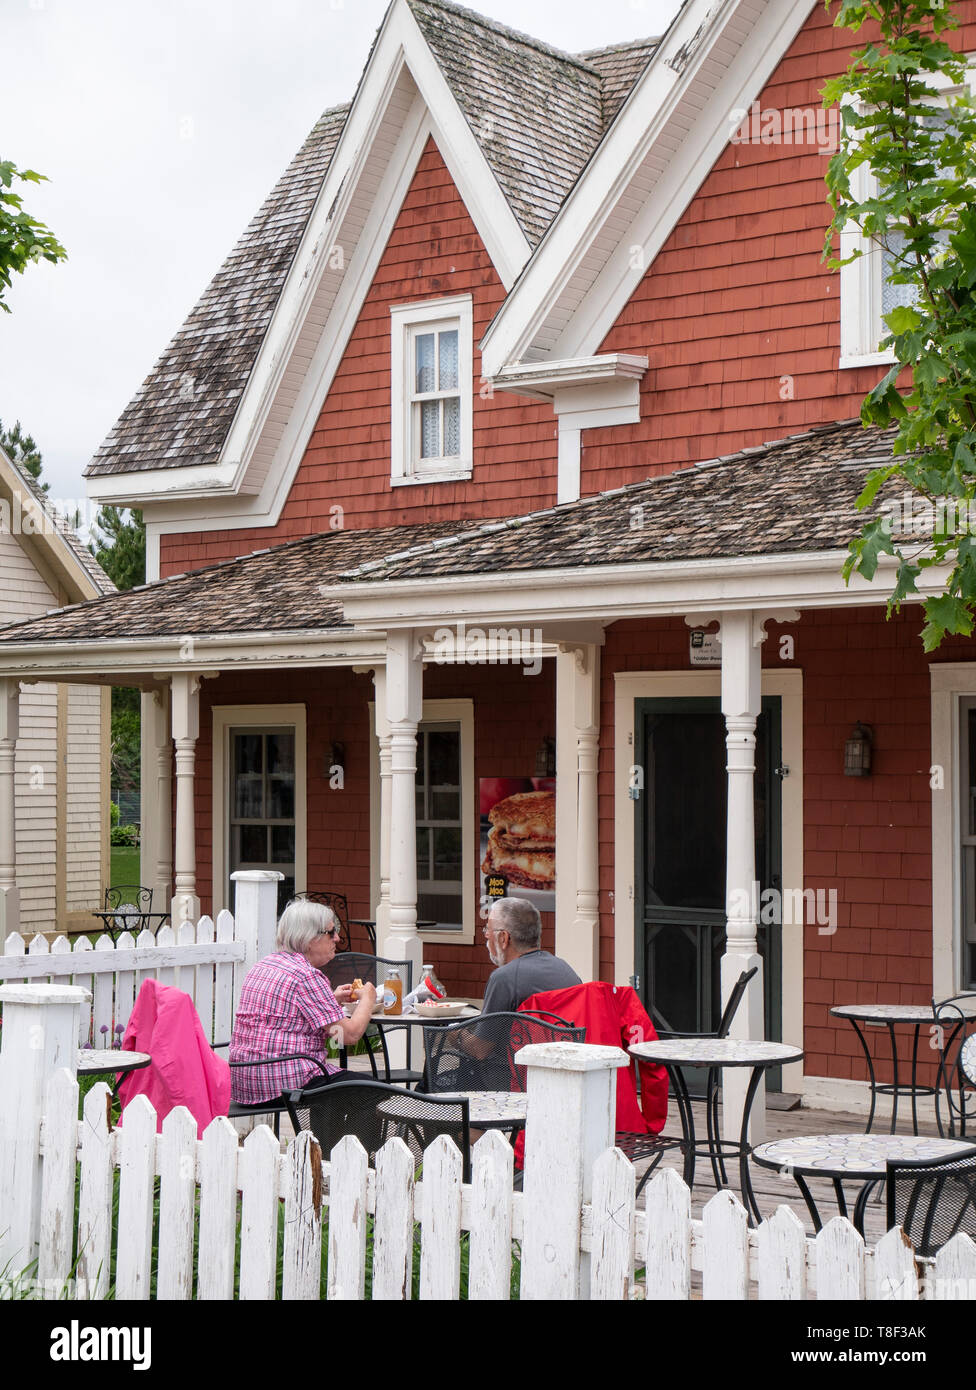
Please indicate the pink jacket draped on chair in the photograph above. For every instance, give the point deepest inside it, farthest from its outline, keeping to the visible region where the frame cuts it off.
(184, 1068)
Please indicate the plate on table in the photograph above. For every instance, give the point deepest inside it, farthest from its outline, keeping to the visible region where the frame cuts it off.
(441, 1008)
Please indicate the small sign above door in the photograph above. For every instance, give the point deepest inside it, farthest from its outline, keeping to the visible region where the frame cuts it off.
(705, 649)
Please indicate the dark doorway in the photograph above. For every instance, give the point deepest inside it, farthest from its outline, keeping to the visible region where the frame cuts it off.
(680, 859)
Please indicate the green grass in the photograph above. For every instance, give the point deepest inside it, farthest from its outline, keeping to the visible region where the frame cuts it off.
(125, 865)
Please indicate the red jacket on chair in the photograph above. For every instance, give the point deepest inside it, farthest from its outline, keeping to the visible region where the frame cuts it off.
(614, 1016)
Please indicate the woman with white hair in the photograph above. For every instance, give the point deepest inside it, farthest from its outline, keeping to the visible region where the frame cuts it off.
(287, 1006)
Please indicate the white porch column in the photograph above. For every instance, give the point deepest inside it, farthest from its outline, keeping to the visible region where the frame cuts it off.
(9, 730)
(185, 906)
(404, 707)
(741, 705)
(382, 909)
(577, 754)
(156, 865)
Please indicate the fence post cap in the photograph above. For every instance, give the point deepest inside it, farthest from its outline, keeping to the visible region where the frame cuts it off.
(257, 876)
(566, 1056)
(44, 994)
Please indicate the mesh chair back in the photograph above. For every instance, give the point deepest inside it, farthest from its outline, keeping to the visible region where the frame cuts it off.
(357, 965)
(375, 1113)
(128, 895)
(955, 1095)
(933, 1201)
(337, 902)
(479, 1054)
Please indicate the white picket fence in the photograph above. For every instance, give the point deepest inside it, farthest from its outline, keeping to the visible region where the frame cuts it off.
(203, 959)
(210, 1188)
(206, 960)
(143, 1215)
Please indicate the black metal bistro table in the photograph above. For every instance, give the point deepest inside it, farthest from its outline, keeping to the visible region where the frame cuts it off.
(115, 921)
(856, 1157)
(715, 1053)
(107, 1061)
(887, 1016)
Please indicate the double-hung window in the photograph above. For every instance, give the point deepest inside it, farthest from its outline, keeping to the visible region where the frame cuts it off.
(432, 389)
(866, 294)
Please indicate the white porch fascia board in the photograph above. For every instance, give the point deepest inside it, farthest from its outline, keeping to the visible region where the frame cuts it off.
(401, 59)
(97, 661)
(713, 60)
(608, 593)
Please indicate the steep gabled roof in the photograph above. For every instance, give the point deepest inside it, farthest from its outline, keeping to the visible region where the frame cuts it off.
(182, 412)
(536, 114)
(52, 527)
(789, 496)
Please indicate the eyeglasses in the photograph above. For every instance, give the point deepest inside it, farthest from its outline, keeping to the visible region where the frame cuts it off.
(330, 931)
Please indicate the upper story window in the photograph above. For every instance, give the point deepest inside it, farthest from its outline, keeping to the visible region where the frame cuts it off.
(865, 293)
(432, 391)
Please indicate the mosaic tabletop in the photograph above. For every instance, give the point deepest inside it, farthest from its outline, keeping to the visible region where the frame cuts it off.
(491, 1107)
(717, 1052)
(94, 1060)
(854, 1155)
(899, 1013)
(967, 1058)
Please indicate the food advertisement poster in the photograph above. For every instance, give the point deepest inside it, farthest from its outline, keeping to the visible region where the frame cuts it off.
(518, 839)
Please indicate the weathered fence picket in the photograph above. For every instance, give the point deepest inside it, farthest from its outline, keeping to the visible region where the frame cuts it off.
(490, 1249)
(440, 1231)
(667, 1249)
(782, 1247)
(612, 1270)
(218, 1211)
(95, 1193)
(58, 1183)
(137, 1180)
(393, 1223)
(177, 1204)
(302, 1257)
(348, 1172)
(840, 1261)
(259, 1168)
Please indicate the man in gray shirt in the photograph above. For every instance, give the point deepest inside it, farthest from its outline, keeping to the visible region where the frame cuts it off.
(513, 934)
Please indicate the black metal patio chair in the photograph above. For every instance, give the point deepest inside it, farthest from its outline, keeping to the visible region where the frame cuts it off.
(478, 1054)
(348, 966)
(279, 1103)
(932, 1200)
(339, 906)
(376, 1112)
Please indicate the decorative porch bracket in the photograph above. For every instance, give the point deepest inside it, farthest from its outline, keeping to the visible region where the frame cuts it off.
(741, 634)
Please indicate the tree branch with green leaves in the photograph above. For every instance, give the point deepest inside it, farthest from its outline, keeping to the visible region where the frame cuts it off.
(23, 240)
(908, 121)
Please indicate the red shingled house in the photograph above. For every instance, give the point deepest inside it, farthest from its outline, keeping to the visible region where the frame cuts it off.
(526, 376)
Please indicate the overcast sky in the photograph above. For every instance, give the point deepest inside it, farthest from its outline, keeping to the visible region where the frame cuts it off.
(162, 125)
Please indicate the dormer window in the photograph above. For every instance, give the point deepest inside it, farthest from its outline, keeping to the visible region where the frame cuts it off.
(432, 391)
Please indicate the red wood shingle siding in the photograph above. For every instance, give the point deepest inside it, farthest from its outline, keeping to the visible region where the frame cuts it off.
(433, 251)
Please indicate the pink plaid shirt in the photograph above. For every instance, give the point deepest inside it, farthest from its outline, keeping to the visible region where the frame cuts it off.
(285, 1004)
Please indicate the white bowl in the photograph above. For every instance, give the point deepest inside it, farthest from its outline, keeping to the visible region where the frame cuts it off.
(441, 1008)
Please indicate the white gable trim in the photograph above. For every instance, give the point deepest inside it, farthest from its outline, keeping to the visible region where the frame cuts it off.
(670, 132)
(402, 101)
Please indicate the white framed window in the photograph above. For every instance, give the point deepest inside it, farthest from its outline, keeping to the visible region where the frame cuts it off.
(432, 390)
(865, 295)
(259, 796)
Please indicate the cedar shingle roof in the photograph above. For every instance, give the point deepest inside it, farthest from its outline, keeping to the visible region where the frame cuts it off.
(785, 497)
(537, 113)
(268, 591)
(181, 414)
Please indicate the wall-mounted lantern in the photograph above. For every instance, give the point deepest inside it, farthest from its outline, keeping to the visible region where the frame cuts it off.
(545, 758)
(857, 752)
